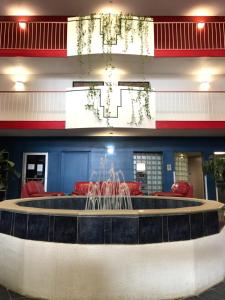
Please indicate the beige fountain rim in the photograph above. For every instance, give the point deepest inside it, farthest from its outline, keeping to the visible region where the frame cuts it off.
(207, 205)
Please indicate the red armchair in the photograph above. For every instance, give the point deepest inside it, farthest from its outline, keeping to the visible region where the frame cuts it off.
(178, 189)
(36, 189)
(81, 188)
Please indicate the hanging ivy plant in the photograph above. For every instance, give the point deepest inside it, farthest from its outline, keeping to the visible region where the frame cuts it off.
(111, 26)
(80, 40)
(93, 99)
(91, 28)
(142, 101)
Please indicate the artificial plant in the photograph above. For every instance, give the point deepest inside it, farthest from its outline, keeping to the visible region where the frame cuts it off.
(215, 166)
(7, 167)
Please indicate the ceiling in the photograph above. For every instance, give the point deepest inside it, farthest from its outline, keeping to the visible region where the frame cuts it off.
(165, 71)
(130, 67)
(141, 7)
(128, 64)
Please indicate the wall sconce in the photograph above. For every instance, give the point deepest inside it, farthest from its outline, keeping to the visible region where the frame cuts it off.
(23, 25)
(110, 149)
(200, 25)
(19, 86)
(204, 86)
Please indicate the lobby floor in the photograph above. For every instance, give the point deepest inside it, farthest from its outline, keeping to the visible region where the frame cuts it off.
(215, 293)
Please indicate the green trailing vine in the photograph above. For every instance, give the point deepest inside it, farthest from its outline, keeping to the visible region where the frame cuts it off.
(142, 100)
(81, 34)
(128, 31)
(91, 28)
(93, 99)
(111, 26)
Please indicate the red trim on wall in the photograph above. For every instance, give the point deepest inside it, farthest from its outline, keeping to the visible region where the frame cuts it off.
(32, 124)
(189, 53)
(159, 125)
(190, 124)
(33, 53)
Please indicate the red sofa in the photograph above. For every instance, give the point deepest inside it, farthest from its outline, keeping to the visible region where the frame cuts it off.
(35, 188)
(178, 189)
(81, 188)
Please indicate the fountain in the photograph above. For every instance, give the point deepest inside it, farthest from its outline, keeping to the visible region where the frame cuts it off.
(98, 247)
(112, 193)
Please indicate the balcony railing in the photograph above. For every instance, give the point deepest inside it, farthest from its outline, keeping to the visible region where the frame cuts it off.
(35, 106)
(38, 36)
(187, 36)
(189, 107)
(170, 38)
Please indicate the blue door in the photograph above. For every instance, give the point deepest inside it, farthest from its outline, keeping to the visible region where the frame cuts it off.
(75, 167)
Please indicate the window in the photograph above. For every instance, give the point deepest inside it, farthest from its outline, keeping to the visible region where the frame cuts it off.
(148, 171)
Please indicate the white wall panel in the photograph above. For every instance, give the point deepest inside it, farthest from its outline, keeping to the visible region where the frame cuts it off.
(120, 107)
(184, 106)
(174, 106)
(33, 106)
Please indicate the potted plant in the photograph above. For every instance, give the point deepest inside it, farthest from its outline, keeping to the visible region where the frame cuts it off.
(215, 166)
(6, 167)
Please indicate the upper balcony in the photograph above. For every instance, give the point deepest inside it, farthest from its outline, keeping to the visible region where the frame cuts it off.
(175, 37)
(181, 113)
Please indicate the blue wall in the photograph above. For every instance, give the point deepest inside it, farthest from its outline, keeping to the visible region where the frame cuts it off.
(96, 148)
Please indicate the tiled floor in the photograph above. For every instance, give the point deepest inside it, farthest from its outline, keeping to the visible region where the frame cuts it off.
(8, 295)
(215, 293)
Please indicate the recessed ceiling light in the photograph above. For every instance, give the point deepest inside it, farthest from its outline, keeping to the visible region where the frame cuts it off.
(19, 10)
(110, 8)
(17, 73)
(201, 11)
(114, 72)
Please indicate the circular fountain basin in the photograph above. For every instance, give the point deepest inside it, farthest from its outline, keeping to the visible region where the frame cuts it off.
(61, 251)
(152, 220)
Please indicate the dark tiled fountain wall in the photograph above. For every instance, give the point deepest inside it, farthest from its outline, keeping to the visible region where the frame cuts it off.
(137, 203)
(109, 229)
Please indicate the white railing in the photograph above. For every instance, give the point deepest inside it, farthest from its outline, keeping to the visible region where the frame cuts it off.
(190, 106)
(35, 106)
(174, 106)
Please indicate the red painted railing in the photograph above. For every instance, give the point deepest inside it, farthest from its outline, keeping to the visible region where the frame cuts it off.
(45, 38)
(187, 36)
(49, 38)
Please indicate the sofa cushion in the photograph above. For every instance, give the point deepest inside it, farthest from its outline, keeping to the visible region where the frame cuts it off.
(166, 194)
(34, 187)
(181, 187)
(82, 188)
